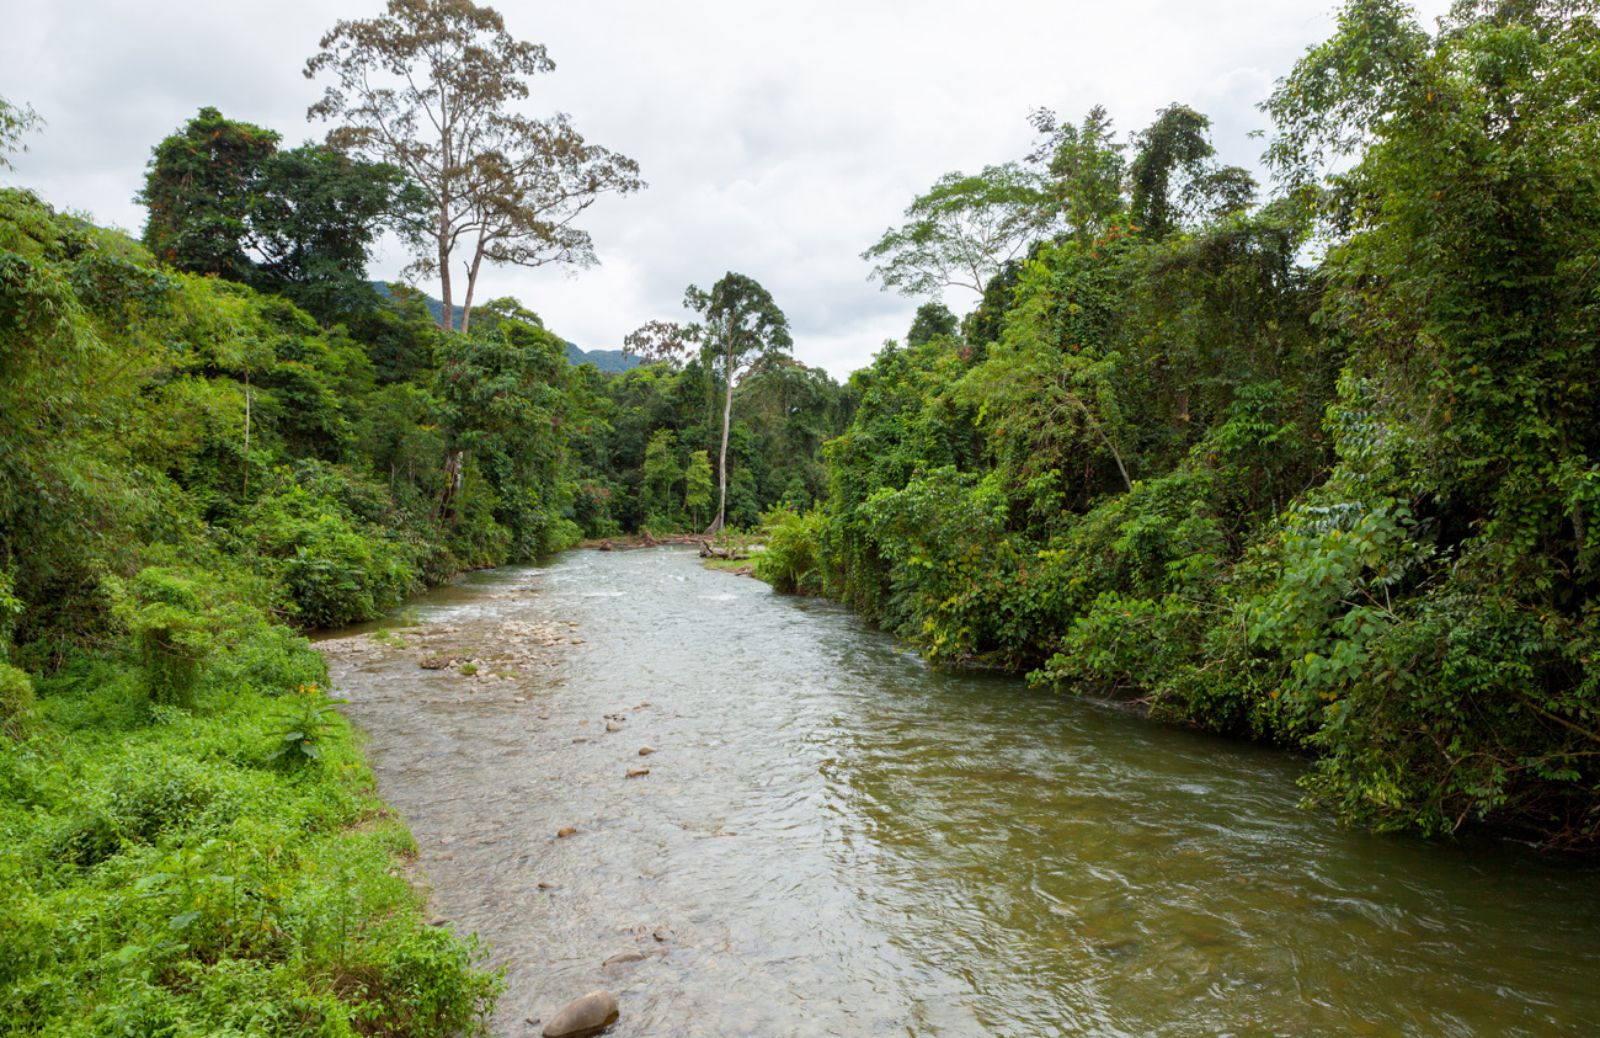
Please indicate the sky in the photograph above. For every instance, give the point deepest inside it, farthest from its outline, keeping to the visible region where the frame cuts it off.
(778, 140)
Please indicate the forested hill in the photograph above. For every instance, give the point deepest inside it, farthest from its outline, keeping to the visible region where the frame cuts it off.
(606, 360)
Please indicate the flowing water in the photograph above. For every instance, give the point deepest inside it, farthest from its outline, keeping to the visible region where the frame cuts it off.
(834, 839)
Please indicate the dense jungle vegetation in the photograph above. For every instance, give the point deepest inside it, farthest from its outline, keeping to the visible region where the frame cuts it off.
(1314, 465)
(1321, 471)
(218, 437)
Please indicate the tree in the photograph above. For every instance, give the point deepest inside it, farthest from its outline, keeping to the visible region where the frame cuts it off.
(1082, 168)
(316, 215)
(961, 232)
(200, 188)
(1173, 178)
(739, 326)
(427, 87)
(661, 474)
(697, 485)
(14, 122)
(225, 201)
(933, 319)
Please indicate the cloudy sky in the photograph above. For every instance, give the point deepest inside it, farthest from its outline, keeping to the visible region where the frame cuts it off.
(778, 140)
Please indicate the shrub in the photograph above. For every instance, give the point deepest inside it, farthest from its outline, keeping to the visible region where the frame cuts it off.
(789, 562)
(16, 701)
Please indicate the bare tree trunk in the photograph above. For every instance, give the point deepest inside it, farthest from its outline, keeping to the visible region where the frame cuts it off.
(722, 457)
(446, 319)
(472, 283)
(453, 479)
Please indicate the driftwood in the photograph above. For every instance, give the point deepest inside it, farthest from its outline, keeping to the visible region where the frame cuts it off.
(711, 551)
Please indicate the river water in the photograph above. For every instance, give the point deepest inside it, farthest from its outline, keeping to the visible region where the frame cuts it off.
(835, 839)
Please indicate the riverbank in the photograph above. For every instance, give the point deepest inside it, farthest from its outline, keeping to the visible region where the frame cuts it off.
(226, 867)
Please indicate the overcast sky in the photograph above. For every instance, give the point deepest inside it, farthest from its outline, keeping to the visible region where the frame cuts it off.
(778, 140)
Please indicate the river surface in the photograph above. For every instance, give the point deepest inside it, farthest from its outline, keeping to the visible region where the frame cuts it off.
(835, 839)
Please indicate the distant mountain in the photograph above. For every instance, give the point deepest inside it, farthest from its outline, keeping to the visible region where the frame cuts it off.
(614, 361)
(605, 360)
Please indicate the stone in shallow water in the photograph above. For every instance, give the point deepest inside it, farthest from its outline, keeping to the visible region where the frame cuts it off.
(638, 772)
(588, 1015)
(566, 831)
(622, 957)
(645, 751)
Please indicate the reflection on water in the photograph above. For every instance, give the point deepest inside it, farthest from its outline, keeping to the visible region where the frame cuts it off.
(835, 839)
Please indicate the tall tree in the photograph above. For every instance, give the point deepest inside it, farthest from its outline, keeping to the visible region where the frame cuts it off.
(200, 188)
(961, 232)
(1082, 169)
(739, 326)
(224, 200)
(1173, 177)
(428, 87)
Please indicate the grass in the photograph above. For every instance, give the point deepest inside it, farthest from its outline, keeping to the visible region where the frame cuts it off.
(226, 869)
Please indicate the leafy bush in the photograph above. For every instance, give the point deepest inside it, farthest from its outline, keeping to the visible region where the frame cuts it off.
(333, 570)
(16, 701)
(789, 562)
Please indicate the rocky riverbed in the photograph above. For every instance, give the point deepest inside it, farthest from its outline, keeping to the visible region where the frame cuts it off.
(744, 814)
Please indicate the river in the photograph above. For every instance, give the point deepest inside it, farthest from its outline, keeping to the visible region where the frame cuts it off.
(835, 839)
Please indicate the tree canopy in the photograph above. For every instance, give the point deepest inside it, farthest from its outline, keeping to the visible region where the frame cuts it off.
(429, 87)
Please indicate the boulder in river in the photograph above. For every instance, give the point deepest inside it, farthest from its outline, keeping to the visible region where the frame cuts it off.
(583, 1016)
(645, 751)
(622, 957)
(566, 831)
(612, 726)
(638, 772)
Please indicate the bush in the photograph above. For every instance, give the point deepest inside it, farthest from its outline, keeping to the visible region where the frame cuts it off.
(333, 570)
(16, 701)
(789, 562)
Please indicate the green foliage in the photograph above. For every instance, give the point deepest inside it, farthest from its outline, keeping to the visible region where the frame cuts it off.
(334, 569)
(224, 200)
(789, 561)
(173, 616)
(15, 121)
(697, 486)
(1346, 507)
(200, 190)
(165, 878)
(310, 725)
(16, 702)
(661, 473)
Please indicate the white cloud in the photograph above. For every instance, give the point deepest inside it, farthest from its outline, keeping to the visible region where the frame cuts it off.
(778, 140)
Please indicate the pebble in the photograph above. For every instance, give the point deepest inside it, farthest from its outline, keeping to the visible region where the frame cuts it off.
(638, 772)
(645, 751)
(566, 831)
(612, 726)
(590, 1014)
